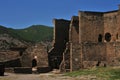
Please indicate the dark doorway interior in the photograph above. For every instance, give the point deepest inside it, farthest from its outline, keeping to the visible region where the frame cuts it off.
(55, 63)
(98, 64)
(100, 38)
(34, 63)
(117, 36)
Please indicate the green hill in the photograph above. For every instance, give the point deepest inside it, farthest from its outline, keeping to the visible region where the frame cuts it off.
(34, 33)
(10, 31)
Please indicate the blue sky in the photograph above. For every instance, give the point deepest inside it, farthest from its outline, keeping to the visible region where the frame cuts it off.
(24, 13)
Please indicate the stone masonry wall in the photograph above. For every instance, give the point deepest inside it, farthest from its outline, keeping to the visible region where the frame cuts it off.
(110, 25)
(61, 32)
(94, 40)
(61, 37)
(113, 53)
(74, 30)
(91, 26)
(94, 54)
(76, 56)
(118, 23)
(37, 50)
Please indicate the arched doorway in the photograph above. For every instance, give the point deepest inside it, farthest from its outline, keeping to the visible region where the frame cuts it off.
(34, 63)
(108, 37)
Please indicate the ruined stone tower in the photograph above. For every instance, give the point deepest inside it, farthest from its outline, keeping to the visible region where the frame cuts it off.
(89, 39)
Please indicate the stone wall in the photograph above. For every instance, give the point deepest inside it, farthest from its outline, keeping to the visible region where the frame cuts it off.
(12, 63)
(91, 26)
(74, 30)
(61, 37)
(94, 40)
(76, 56)
(113, 53)
(110, 25)
(61, 32)
(65, 65)
(94, 54)
(8, 55)
(37, 50)
(118, 23)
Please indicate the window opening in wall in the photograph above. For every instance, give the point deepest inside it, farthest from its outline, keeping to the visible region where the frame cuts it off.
(117, 36)
(108, 37)
(100, 38)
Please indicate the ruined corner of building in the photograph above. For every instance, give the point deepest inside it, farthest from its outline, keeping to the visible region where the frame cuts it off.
(88, 40)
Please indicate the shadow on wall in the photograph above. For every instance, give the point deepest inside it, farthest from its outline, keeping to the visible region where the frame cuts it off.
(12, 63)
(23, 70)
(44, 69)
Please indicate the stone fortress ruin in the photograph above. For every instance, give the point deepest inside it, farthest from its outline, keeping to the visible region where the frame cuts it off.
(87, 40)
(22, 59)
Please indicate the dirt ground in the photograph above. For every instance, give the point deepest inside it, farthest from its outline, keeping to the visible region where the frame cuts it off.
(53, 75)
(45, 76)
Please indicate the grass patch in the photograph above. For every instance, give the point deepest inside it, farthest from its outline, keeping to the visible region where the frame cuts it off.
(107, 73)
